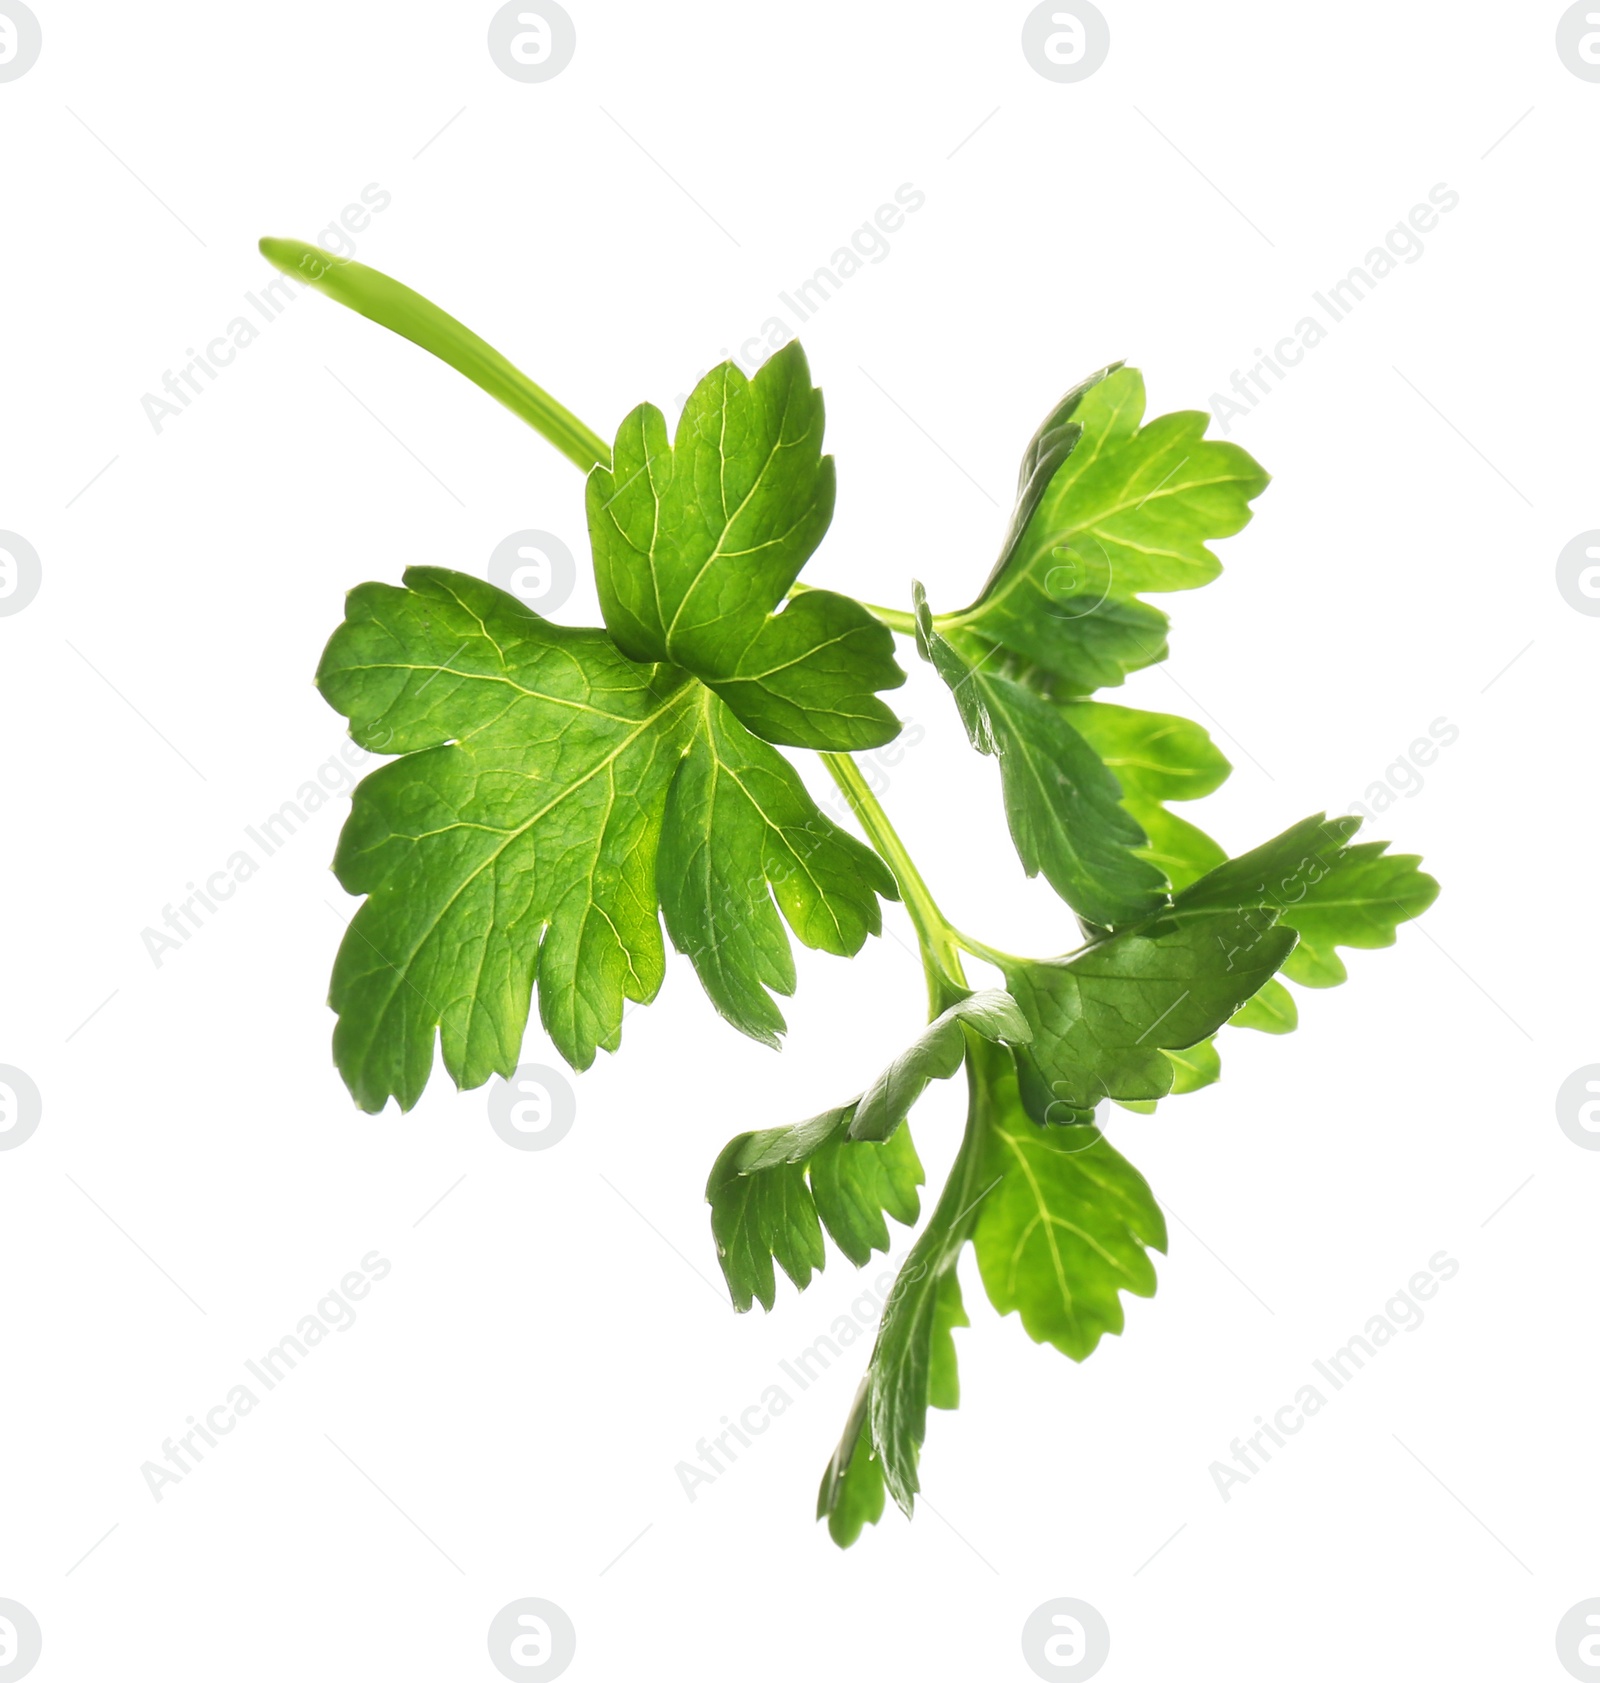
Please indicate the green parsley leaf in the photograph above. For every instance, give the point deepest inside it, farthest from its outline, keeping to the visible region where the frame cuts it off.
(851, 1495)
(1195, 1066)
(1066, 1229)
(1313, 882)
(1156, 758)
(1271, 1011)
(1106, 509)
(913, 1358)
(741, 829)
(696, 544)
(1359, 903)
(1279, 873)
(1063, 806)
(515, 840)
(935, 1055)
(1181, 851)
(771, 1193)
(852, 1492)
(1059, 1230)
(1103, 1018)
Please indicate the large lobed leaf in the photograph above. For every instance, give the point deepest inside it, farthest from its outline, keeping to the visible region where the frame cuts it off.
(516, 841)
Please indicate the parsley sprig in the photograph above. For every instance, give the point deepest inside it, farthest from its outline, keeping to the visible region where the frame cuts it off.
(560, 794)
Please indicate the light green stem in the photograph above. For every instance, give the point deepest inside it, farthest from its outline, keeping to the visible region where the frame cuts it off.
(385, 301)
(990, 955)
(941, 952)
(894, 618)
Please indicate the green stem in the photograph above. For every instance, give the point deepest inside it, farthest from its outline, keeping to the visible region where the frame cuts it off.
(990, 955)
(385, 301)
(941, 952)
(894, 618)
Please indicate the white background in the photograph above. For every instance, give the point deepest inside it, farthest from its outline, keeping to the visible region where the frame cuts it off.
(542, 1355)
